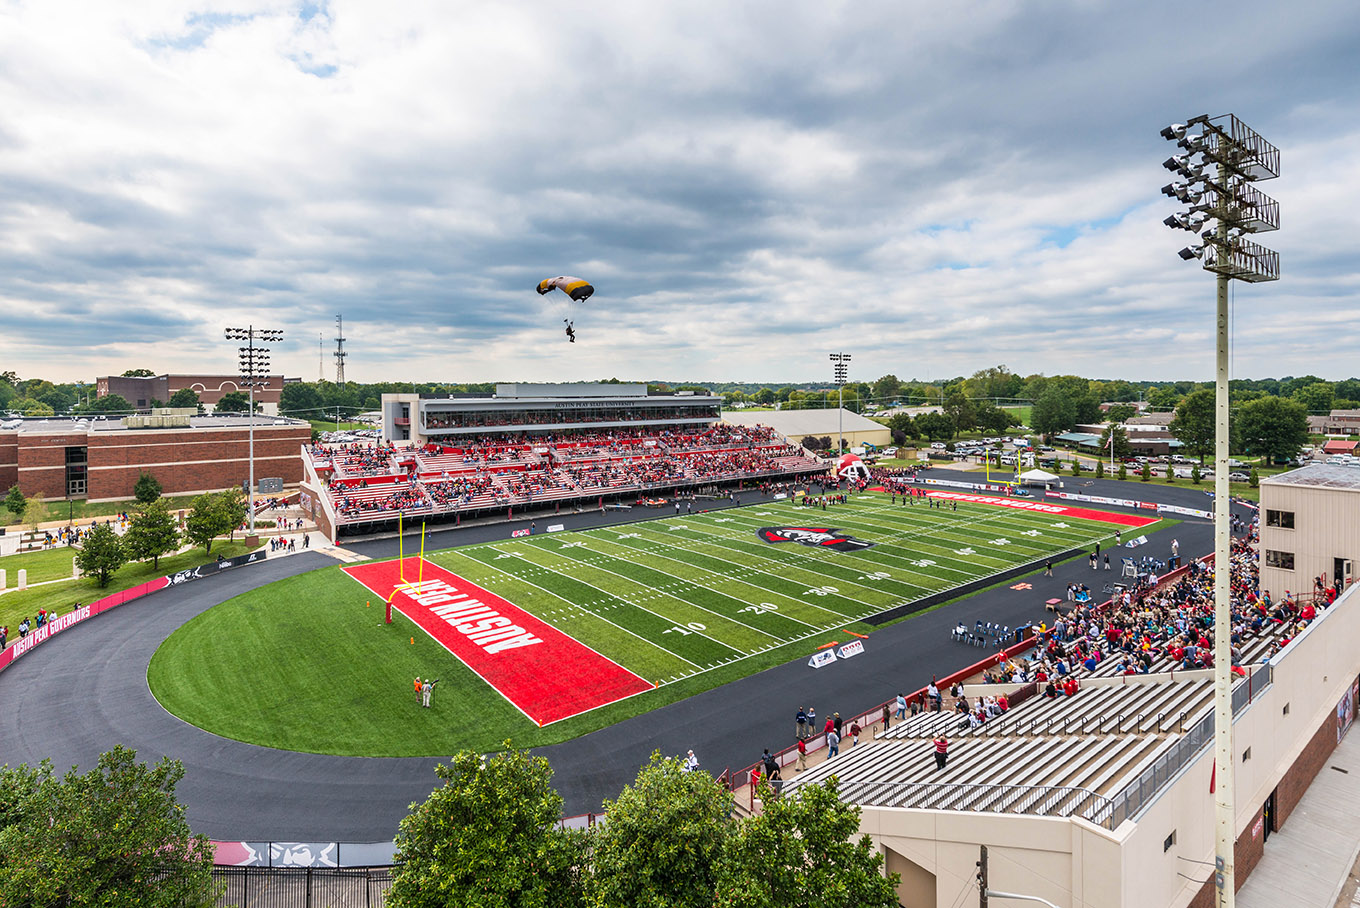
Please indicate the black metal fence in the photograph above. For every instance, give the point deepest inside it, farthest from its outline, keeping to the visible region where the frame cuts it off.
(303, 887)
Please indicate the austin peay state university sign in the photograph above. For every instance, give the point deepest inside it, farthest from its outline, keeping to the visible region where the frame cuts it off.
(817, 537)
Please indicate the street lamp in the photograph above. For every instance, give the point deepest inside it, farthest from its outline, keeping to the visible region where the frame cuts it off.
(1223, 159)
(254, 361)
(841, 371)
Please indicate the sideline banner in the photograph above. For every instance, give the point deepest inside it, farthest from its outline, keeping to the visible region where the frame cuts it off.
(1025, 504)
(853, 648)
(822, 657)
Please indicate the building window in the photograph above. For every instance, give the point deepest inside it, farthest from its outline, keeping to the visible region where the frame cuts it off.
(1282, 560)
(1169, 841)
(1282, 519)
(1286, 709)
(1246, 755)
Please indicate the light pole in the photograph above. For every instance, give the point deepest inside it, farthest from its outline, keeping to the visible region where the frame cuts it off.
(1221, 162)
(254, 360)
(841, 371)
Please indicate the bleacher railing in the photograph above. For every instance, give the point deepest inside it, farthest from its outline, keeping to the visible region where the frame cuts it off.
(1031, 800)
(1140, 793)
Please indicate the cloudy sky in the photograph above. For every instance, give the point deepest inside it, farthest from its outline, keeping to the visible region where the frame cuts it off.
(932, 187)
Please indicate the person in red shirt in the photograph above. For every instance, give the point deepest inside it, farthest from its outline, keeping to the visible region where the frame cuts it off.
(802, 755)
(1308, 613)
(1070, 688)
(941, 752)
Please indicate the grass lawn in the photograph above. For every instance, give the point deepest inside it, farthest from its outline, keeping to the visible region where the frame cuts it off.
(62, 597)
(51, 564)
(57, 509)
(328, 425)
(687, 603)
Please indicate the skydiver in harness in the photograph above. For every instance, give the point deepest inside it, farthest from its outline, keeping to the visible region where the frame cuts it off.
(571, 331)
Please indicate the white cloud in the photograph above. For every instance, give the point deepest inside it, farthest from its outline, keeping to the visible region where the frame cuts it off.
(934, 187)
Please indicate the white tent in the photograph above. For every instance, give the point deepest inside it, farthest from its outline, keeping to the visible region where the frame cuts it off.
(1038, 477)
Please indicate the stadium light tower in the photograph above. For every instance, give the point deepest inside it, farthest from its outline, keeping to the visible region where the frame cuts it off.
(254, 360)
(1223, 158)
(841, 371)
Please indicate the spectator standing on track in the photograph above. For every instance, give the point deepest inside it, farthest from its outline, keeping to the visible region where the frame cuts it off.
(802, 755)
(941, 752)
(1107, 561)
(854, 734)
(1048, 568)
(830, 725)
(812, 721)
(836, 721)
(901, 707)
(802, 724)
(833, 742)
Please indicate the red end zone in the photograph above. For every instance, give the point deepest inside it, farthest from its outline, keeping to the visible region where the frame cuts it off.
(547, 675)
(1043, 507)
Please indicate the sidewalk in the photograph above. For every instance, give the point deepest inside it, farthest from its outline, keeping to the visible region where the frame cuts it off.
(1313, 858)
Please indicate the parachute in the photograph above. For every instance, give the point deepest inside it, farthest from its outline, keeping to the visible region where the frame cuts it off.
(574, 287)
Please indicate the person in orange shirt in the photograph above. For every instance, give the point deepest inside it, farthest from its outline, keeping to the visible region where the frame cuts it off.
(417, 689)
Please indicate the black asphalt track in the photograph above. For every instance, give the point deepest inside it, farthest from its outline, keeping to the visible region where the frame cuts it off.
(85, 690)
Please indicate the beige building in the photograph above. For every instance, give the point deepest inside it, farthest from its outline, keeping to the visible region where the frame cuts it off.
(1310, 527)
(795, 425)
(1102, 800)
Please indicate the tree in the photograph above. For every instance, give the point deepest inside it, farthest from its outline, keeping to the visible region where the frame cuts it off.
(147, 489)
(903, 424)
(101, 553)
(35, 511)
(1193, 424)
(1054, 412)
(1121, 441)
(30, 407)
(1195, 476)
(1316, 397)
(1121, 412)
(152, 533)
(109, 403)
(764, 397)
(1273, 427)
(1100, 469)
(233, 402)
(185, 398)
(1076, 464)
(1146, 473)
(1163, 398)
(663, 841)
(488, 838)
(113, 836)
(1123, 472)
(1255, 479)
(887, 388)
(935, 426)
(138, 373)
(800, 853)
(992, 419)
(960, 411)
(16, 504)
(212, 515)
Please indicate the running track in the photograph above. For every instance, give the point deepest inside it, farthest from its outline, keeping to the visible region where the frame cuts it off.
(85, 690)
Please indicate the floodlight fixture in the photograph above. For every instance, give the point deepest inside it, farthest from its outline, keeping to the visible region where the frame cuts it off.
(1174, 131)
(1191, 252)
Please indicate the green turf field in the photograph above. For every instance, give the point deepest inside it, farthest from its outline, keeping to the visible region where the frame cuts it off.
(686, 602)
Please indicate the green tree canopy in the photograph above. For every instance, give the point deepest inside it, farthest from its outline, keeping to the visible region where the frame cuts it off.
(935, 426)
(111, 837)
(1054, 412)
(152, 533)
(109, 403)
(886, 389)
(662, 841)
(961, 411)
(185, 398)
(1273, 427)
(101, 553)
(30, 407)
(488, 838)
(138, 373)
(16, 503)
(764, 396)
(992, 419)
(233, 402)
(1316, 397)
(147, 489)
(1121, 442)
(212, 515)
(1121, 412)
(801, 853)
(1193, 424)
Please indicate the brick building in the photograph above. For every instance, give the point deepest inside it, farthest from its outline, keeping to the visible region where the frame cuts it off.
(101, 459)
(141, 391)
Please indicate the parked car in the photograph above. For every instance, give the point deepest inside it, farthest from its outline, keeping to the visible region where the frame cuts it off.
(1239, 477)
(937, 445)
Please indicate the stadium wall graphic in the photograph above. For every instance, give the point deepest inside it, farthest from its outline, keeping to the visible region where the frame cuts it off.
(1057, 510)
(543, 672)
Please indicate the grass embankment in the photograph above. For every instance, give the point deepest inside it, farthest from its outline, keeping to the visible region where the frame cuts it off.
(62, 597)
(59, 509)
(324, 425)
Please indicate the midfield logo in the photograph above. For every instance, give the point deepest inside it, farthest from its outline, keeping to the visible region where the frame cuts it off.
(817, 537)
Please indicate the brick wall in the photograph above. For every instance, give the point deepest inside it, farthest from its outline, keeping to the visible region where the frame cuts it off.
(9, 460)
(184, 460)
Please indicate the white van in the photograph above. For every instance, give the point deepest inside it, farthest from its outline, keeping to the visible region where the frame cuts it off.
(1008, 460)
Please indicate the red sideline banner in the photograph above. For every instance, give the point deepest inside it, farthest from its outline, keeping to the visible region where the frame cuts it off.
(1057, 510)
(57, 625)
(544, 673)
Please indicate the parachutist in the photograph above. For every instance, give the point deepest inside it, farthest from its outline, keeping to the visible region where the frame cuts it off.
(571, 331)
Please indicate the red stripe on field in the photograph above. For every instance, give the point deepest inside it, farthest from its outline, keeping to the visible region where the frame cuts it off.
(1043, 507)
(549, 676)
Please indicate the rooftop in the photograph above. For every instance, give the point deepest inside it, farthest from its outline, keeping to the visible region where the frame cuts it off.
(1319, 475)
(797, 424)
(63, 425)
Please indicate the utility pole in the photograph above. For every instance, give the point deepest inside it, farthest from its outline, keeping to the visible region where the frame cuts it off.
(982, 878)
(340, 353)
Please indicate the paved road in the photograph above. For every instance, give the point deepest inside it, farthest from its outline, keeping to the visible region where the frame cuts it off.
(85, 690)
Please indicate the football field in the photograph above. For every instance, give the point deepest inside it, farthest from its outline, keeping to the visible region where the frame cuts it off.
(545, 637)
